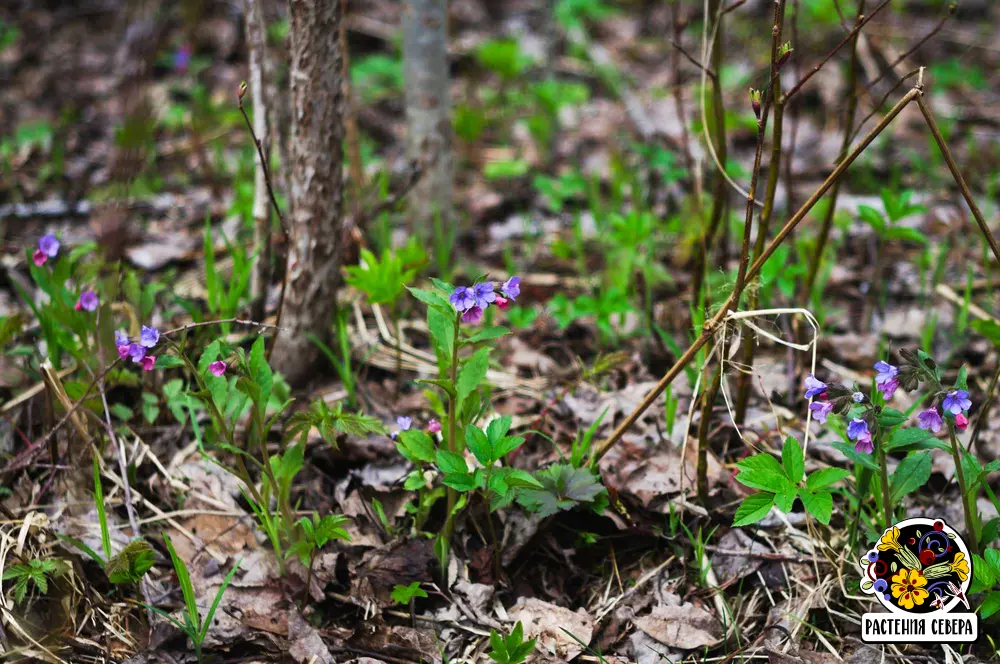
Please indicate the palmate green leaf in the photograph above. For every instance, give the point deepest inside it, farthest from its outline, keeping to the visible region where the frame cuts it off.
(472, 374)
(819, 504)
(912, 473)
(793, 460)
(451, 462)
(404, 594)
(990, 605)
(984, 576)
(479, 445)
(562, 487)
(825, 477)
(753, 509)
(461, 481)
(785, 500)
(762, 471)
(417, 446)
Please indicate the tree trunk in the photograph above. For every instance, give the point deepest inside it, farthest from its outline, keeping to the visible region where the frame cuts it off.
(428, 118)
(256, 45)
(315, 186)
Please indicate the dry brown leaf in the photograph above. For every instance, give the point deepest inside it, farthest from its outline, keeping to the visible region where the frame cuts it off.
(685, 626)
(546, 622)
(305, 643)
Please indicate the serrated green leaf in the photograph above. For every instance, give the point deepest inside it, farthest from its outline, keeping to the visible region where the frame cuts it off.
(753, 509)
(792, 460)
(479, 445)
(990, 605)
(416, 445)
(451, 462)
(461, 481)
(819, 504)
(825, 477)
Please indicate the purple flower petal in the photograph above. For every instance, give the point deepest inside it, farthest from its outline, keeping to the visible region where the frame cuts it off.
(857, 429)
(888, 388)
(136, 352)
(956, 402)
(483, 293)
(930, 420)
(511, 288)
(48, 244)
(462, 298)
(814, 387)
(88, 301)
(217, 368)
(149, 336)
(821, 410)
(886, 372)
(121, 339)
(473, 315)
(404, 423)
(864, 444)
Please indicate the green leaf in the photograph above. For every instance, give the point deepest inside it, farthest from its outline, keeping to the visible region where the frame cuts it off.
(479, 445)
(560, 487)
(793, 460)
(785, 500)
(461, 481)
(472, 374)
(184, 580)
(856, 457)
(891, 417)
(753, 509)
(168, 362)
(819, 504)
(912, 473)
(218, 598)
(441, 325)
(762, 471)
(990, 605)
(404, 594)
(432, 299)
(487, 334)
(506, 445)
(416, 445)
(451, 462)
(825, 477)
(445, 385)
(498, 428)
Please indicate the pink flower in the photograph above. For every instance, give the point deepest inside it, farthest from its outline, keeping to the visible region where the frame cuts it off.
(123, 350)
(961, 422)
(148, 362)
(502, 302)
(39, 257)
(864, 444)
(217, 368)
(434, 426)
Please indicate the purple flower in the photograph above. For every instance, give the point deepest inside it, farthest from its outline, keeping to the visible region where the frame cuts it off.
(149, 336)
(930, 420)
(888, 388)
(136, 352)
(864, 444)
(858, 397)
(182, 57)
(956, 402)
(857, 429)
(511, 288)
(404, 423)
(121, 339)
(463, 298)
(886, 372)
(814, 387)
(434, 426)
(483, 292)
(821, 410)
(48, 244)
(217, 368)
(88, 301)
(123, 350)
(473, 315)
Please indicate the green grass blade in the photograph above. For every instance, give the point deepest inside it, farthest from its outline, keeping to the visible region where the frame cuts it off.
(102, 517)
(215, 602)
(184, 579)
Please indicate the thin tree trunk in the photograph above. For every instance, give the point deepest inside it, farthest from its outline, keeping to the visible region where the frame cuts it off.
(257, 46)
(316, 185)
(425, 63)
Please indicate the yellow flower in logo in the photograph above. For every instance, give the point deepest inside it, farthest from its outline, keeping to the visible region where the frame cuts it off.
(890, 540)
(908, 588)
(960, 566)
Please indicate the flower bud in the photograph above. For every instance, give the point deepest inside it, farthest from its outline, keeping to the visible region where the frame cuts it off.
(755, 98)
(783, 52)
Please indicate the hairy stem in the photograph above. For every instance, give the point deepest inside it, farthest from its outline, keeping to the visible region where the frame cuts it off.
(449, 524)
(968, 501)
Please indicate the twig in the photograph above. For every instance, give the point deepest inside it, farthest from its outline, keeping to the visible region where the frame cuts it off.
(711, 326)
(878, 105)
(862, 20)
(277, 210)
(693, 60)
(959, 180)
(991, 393)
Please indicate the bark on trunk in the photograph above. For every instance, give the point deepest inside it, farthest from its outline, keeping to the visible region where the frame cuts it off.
(257, 46)
(316, 186)
(425, 62)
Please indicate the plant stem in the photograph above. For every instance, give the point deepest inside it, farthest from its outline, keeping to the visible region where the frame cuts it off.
(497, 569)
(862, 486)
(449, 524)
(884, 476)
(967, 507)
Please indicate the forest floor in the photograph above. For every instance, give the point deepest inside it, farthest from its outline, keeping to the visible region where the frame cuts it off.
(594, 191)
